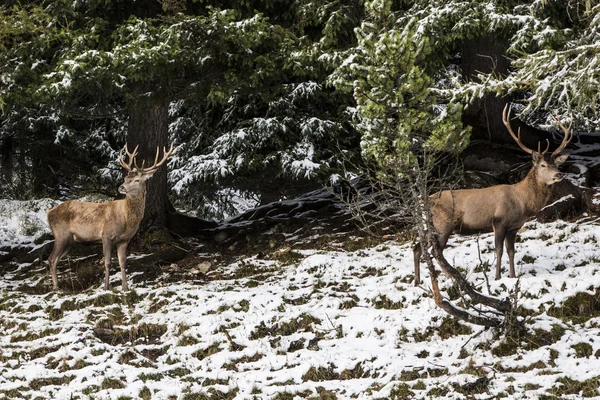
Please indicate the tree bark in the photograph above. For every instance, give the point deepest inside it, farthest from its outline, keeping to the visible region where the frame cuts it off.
(6, 162)
(148, 128)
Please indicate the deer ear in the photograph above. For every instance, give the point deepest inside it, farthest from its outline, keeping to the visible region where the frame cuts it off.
(561, 159)
(537, 157)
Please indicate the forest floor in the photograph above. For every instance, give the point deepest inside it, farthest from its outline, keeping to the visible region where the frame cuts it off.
(335, 317)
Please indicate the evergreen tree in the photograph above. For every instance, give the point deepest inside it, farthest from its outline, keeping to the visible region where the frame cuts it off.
(246, 90)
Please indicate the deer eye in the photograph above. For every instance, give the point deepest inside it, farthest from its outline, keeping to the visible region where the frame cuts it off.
(137, 180)
(543, 165)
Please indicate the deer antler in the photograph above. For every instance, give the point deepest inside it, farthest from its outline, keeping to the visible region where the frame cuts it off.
(157, 164)
(517, 137)
(566, 139)
(131, 156)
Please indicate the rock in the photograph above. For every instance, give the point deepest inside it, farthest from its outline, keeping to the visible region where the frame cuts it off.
(204, 266)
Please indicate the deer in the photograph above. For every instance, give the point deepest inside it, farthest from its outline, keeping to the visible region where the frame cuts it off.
(113, 223)
(502, 209)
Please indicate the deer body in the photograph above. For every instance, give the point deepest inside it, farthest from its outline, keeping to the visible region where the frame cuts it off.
(502, 209)
(113, 223)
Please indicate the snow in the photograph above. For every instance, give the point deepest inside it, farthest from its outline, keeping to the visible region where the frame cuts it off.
(338, 292)
(23, 222)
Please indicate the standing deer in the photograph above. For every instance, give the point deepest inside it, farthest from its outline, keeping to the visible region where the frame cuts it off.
(112, 223)
(502, 209)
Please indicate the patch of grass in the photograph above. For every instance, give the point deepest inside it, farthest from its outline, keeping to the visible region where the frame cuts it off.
(453, 327)
(290, 258)
(106, 299)
(154, 353)
(15, 393)
(472, 369)
(448, 328)
(90, 390)
(157, 376)
(480, 385)
(296, 345)
(79, 364)
(382, 302)
(553, 356)
(587, 388)
(582, 350)
(54, 314)
(578, 308)
(186, 340)
(68, 305)
(536, 365)
(157, 305)
(150, 333)
(437, 392)
(304, 323)
(208, 351)
(38, 383)
(358, 372)
(320, 374)
(127, 357)
(527, 259)
(29, 336)
(43, 351)
(399, 392)
(531, 386)
(323, 394)
(247, 269)
(211, 394)
(291, 396)
(178, 372)
(212, 382)
(112, 383)
(528, 341)
(541, 338)
(233, 365)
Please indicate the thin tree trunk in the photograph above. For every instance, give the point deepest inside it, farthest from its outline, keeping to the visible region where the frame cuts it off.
(6, 162)
(148, 128)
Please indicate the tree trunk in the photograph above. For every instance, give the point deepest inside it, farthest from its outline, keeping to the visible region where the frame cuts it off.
(6, 162)
(487, 54)
(148, 128)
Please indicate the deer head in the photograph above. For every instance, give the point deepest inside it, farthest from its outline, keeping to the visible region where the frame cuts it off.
(134, 184)
(545, 167)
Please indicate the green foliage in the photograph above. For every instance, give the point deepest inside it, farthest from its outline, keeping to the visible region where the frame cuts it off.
(400, 113)
(247, 85)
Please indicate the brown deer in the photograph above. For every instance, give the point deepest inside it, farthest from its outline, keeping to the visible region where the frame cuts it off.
(112, 223)
(502, 209)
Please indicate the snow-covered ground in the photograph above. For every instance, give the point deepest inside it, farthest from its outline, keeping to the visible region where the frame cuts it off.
(23, 222)
(321, 324)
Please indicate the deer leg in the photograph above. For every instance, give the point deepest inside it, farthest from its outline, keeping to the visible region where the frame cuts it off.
(61, 248)
(107, 250)
(499, 235)
(122, 254)
(510, 249)
(418, 251)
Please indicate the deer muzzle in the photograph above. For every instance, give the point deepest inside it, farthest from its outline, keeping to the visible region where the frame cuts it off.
(559, 176)
(122, 189)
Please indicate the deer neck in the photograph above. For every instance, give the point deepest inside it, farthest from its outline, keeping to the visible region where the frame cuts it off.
(135, 208)
(534, 192)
